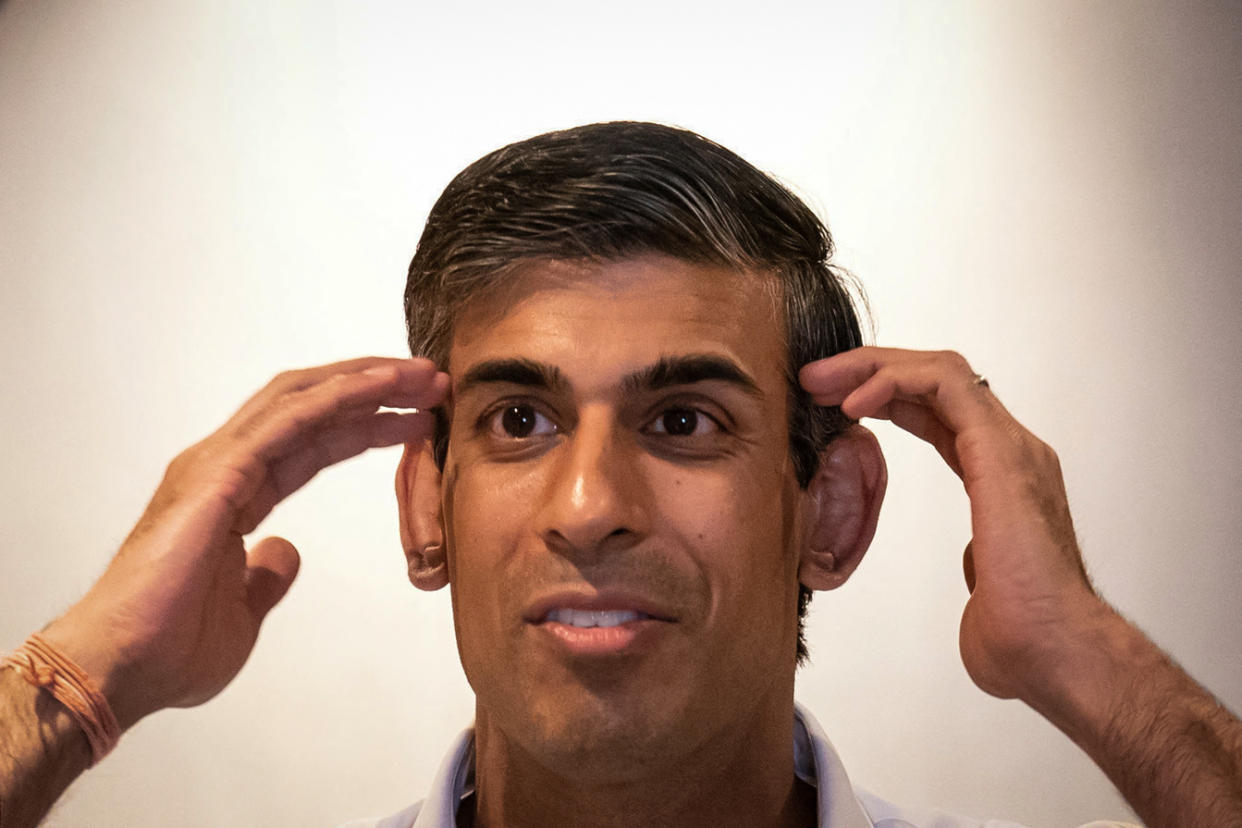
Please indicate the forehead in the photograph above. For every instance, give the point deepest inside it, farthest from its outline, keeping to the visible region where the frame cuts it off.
(613, 317)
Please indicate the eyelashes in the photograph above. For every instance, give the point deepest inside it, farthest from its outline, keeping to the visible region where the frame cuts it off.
(680, 425)
(683, 421)
(518, 421)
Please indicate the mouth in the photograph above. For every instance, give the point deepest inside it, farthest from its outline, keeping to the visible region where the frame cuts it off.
(599, 625)
(593, 618)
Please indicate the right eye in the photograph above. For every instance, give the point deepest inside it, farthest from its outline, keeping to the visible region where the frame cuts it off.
(519, 421)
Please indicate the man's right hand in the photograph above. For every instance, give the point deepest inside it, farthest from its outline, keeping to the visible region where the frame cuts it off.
(176, 614)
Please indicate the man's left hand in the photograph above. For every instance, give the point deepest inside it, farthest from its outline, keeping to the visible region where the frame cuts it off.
(1029, 591)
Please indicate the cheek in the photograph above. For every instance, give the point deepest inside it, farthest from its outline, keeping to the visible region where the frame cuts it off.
(735, 526)
(484, 518)
(485, 503)
(485, 515)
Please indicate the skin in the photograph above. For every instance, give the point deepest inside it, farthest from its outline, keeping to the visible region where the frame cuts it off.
(175, 615)
(1034, 629)
(178, 610)
(703, 530)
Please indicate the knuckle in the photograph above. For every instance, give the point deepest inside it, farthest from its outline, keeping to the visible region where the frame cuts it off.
(289, 380)
(287, 399)
(955, 361)
(185, 461)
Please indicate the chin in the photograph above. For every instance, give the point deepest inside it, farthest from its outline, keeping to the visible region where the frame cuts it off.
(609, 735)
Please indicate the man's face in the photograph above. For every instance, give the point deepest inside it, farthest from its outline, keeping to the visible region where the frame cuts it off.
(621, 516)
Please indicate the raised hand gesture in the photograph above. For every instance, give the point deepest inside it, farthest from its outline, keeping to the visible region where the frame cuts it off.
(1033, 627)
(176, 614)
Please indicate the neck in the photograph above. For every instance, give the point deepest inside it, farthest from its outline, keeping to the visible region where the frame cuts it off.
(742, 775)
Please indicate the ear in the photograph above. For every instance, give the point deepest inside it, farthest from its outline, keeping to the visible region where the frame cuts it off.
(843, 505)
(418, 502)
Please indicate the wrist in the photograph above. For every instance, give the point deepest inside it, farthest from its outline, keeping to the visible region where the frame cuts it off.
(103, 663)
(1172, 750)
(1090, 671)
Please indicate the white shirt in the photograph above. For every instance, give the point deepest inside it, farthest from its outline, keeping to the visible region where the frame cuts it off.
(815, 762)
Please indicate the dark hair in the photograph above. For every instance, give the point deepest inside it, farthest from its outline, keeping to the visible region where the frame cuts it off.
(606, 192)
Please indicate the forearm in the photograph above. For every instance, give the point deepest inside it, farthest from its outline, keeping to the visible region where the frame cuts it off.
(1171, 749)
(42, 750)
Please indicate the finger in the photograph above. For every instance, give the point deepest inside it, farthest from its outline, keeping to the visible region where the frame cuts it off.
(923, 423)
(835, 377)
(271, 566)
(411, 372)
(280, 477)
(839, 375)
(290, 418)
(864, 380)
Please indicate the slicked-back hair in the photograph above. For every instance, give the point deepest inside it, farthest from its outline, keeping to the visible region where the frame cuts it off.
(613, 191)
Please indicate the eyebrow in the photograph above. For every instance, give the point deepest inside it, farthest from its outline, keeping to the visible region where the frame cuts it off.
(666, 372)
(513, 371)
(669, 371)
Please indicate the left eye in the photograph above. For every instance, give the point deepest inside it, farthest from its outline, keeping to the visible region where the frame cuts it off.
(683, 422)
(520, 421)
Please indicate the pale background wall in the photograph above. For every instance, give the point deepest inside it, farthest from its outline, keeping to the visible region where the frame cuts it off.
(194, 196)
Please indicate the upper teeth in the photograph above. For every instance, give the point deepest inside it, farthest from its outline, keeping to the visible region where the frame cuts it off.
(593, 618)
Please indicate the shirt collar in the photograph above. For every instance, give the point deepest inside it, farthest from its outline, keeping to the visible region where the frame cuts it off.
(815, 762)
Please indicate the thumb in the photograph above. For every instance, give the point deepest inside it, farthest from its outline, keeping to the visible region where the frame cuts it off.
(271, 566)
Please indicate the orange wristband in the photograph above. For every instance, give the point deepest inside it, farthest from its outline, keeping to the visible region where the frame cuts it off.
(43, 666)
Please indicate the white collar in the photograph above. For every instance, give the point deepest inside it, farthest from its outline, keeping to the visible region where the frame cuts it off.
(815, 762)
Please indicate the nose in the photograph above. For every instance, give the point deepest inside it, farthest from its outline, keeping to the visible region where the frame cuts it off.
(594, 499)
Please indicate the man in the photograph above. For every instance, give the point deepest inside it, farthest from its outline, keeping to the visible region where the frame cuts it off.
(640, 455)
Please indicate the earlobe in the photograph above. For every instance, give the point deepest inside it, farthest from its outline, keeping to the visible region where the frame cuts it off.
(844, 499)
(418, 504)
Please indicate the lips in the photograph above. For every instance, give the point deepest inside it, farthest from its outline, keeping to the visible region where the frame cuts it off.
(599, 624)
(606, 608)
